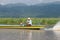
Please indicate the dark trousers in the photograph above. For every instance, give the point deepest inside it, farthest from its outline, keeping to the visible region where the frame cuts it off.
(29, 25)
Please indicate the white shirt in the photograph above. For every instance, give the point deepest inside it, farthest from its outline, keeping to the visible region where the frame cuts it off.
(29, 22)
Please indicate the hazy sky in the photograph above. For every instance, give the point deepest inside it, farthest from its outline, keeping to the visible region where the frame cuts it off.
(29, 2)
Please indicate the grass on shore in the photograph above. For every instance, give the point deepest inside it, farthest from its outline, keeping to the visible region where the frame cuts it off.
(36, 21)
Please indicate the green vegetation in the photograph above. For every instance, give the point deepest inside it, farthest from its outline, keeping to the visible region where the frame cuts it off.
(36, 21)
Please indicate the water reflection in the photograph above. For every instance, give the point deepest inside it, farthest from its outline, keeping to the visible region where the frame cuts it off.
(50, 35)
(17, 34)
(57, 34)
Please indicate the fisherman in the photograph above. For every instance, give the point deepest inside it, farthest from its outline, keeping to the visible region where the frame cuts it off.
(29, 22)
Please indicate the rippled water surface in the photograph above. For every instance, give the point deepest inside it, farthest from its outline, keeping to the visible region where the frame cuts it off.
(17, 34)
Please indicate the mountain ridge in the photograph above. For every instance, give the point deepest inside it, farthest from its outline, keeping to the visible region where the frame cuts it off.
(22, 10)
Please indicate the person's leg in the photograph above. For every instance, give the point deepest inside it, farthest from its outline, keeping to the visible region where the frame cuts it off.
(29, 24)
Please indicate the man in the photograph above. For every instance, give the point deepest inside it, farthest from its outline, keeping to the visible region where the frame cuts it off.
(29, 22)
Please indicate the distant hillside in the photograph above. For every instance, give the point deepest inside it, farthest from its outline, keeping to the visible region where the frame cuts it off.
(22, 10)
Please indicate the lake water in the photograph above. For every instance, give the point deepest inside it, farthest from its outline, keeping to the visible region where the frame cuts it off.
(17, 34)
